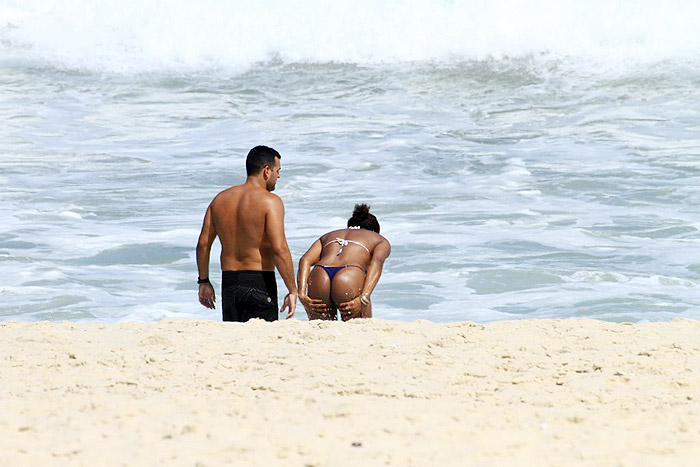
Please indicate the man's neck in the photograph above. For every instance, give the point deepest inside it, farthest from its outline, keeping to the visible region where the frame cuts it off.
(257, 181)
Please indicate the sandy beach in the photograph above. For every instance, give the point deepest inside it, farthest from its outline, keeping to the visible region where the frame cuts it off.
(368, 392)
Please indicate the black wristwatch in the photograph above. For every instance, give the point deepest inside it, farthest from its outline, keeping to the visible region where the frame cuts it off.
(203, 281)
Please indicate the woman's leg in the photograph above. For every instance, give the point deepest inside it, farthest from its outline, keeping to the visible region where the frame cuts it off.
(367, 311)
(320, 287)
(347, 285)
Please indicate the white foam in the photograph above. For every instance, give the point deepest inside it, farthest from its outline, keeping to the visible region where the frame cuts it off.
(596, 276)
(135, 36)
(70, 214)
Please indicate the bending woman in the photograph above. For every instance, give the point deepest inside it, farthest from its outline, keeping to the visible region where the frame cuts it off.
(347, 264)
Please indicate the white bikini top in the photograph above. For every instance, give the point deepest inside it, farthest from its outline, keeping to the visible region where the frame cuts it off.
(344, 242)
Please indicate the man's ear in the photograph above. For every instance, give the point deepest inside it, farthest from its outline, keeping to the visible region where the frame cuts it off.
(266, 172)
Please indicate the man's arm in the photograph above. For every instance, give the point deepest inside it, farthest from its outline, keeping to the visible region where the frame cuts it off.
(207, 296)
(274, 226)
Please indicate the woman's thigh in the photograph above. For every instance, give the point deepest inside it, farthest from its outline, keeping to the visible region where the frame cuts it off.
(347, 285)
(320, 288)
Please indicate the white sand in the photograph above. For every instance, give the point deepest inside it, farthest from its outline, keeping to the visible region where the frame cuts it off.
(368, 392)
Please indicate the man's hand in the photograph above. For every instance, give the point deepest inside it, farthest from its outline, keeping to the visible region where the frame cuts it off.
(207, 296)
(290, 302)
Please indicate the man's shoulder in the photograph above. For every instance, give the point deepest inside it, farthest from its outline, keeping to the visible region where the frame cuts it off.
(262, 199)
(228, 192)
(272, 199)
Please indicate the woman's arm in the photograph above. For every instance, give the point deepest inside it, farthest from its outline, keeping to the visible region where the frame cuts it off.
(374, 272)
(312, 256)
(374, 269)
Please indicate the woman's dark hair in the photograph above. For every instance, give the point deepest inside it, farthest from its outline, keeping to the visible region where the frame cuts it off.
(363, 219)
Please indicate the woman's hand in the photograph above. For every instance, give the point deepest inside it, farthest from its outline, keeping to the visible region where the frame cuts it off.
(315, 307)
(352, 308)
(313, 304)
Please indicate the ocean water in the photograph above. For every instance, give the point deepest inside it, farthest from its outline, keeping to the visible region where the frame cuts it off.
(525, 159)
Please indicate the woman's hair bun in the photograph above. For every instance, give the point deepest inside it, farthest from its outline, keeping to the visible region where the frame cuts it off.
(361, 211)
(363, 219)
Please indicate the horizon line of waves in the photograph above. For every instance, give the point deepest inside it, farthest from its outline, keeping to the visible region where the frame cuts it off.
(143, 37)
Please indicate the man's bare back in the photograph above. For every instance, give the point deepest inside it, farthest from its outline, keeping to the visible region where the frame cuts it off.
(249, 221)
(239, 216)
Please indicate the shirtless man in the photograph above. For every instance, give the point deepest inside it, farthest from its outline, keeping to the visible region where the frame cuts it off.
(249, 221)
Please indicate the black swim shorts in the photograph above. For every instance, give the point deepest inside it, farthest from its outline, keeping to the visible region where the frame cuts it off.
(249, 294)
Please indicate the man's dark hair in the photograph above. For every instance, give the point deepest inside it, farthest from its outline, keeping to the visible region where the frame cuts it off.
(363, 219)
(259, 157)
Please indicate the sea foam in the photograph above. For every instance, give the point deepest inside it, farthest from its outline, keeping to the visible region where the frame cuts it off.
(134, 36)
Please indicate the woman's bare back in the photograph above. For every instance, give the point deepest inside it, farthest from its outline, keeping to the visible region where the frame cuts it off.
(348, 246)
